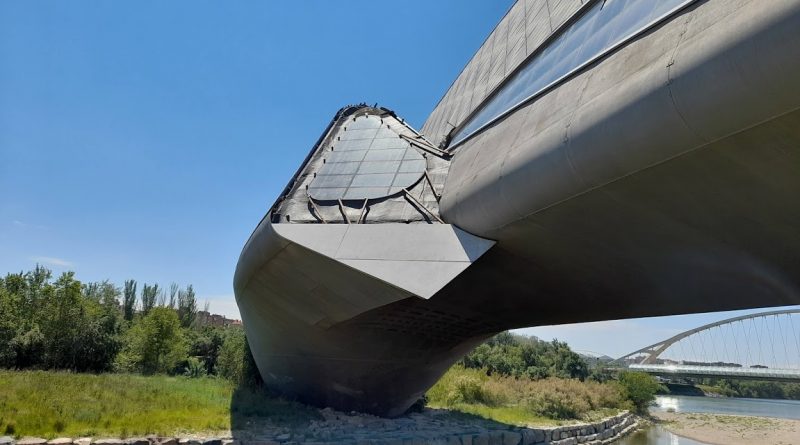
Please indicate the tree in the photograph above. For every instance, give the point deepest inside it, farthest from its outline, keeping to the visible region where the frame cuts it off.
(129, 299)
(640, 388)
(62, 319)
(236, 362)
(9, 320)
(103, 292)
(173, 292)
(231, 359)
(149, 295)
(79, 332)
(187, 307)
(519, 356)
(154, 344)
(204, 344)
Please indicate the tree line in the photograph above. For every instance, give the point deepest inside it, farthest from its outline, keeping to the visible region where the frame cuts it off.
(752, 389)
(64, 324)
(545, 377)
(516, 355)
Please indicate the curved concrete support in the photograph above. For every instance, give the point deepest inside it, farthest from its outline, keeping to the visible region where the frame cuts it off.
(326, 309)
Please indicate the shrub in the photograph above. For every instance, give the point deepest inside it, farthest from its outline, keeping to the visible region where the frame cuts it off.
(515, 355)
(554, 398)
(235, 361)
(231, 360)
(640, 388)
(460, 385)
(154, 344)
(194, 368)
(557, 398)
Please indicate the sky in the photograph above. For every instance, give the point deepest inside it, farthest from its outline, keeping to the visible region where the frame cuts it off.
(146, 139)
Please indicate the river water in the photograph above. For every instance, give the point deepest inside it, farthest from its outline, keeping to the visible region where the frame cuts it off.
(786, 409)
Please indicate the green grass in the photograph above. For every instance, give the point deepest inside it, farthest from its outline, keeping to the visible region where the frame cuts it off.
(513, 415)
(51, 404)
(61, 404)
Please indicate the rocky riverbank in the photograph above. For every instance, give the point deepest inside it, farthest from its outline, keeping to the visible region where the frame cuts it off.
(429, 427)
(720, 429)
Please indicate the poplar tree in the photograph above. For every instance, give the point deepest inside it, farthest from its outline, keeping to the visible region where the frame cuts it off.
(129, 299)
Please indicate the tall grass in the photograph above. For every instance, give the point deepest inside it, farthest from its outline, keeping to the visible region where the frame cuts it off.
(525, 401)
(50, 404)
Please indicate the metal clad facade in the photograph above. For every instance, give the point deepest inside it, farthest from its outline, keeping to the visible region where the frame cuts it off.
(526, 25)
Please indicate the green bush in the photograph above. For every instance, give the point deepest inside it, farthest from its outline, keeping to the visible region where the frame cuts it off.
(557, 398)
(466, 386)
(231, 360)
(552, 398)
(194, 368)
(61, 324)
(154, 344)
(515, 355)
(640, 388)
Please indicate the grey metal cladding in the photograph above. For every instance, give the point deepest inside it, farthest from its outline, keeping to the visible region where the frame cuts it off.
(365, 192)
(346, 156)
(353, 144)
(601, 27)
(365, 160)
(386, 143)
(412, 166)
(379, 167)
(326, 181)
(393, 154)
(358, 133)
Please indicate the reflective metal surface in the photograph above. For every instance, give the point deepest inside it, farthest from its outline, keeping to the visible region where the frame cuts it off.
(366, 161)
(603, 27)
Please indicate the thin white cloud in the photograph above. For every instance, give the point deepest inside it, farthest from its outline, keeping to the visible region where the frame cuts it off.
(52, 261)
(25, 226)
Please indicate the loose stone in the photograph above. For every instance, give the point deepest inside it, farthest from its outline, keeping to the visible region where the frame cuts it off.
(32, 441)
(108, 441)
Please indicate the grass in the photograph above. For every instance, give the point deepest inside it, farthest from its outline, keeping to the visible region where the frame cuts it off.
(51, 404)
(525, 402)
(60, 404)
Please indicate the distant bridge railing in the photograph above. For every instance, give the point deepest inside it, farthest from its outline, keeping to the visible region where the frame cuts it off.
(788, 375)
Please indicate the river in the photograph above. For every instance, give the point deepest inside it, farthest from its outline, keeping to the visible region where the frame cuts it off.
(785, 409)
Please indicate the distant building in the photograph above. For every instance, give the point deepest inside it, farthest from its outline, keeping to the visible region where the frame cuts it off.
(208, 319)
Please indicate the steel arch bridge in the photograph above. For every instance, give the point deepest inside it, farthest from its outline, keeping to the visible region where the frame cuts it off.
(776, 355)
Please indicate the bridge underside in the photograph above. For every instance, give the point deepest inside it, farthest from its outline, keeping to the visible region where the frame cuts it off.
(713, 229)
(662, 180)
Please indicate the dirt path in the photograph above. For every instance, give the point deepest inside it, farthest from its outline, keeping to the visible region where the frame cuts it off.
(718, 429)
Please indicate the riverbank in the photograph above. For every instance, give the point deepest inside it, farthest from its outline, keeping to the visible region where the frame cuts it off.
(431, 427)
(718, 429)
(60, 408)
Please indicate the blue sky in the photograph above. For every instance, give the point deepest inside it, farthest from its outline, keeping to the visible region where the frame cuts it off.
(146, 139)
